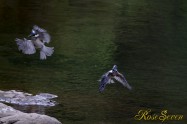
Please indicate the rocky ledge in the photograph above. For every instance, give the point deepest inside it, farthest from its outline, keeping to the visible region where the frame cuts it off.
(22, 98)
(9, 115)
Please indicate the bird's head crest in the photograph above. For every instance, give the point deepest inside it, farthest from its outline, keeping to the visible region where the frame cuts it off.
(33, 32)
(114, 68)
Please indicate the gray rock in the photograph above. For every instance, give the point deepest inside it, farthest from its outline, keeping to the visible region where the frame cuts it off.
(7, 111)
(21, 98)
(9, 115)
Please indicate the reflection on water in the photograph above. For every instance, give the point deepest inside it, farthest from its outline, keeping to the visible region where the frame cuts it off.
(146, 39)
(31, 108)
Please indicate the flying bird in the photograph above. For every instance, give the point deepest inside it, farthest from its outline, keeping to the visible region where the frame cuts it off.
(38, 37)
(110, 76)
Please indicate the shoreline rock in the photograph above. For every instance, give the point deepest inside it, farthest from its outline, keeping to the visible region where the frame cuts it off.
(9, 115)
(22, 98)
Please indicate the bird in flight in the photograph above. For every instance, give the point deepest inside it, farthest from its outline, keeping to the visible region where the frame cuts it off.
(38, 37)
(110, 76)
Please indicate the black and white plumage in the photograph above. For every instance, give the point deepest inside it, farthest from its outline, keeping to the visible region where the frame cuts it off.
(40, 33)
(109, 78)
(39, 37)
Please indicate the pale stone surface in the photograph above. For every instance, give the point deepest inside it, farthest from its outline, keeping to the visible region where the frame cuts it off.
(22, 98)
(9, 115)
(7, 111)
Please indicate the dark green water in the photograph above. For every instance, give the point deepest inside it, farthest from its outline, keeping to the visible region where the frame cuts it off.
(147, 39)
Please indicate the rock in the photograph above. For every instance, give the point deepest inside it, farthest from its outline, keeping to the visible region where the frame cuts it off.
(22, 98)
(31, 118)
(9, 115)
(47, 95)
(7, 111)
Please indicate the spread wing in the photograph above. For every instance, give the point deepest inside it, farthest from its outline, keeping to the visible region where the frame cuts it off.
(36, 28)
(105, 79)
(26, 46)
(43, 35)
(119, 77)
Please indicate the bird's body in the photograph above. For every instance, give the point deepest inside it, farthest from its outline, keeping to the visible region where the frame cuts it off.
(39, 37)
(38, 43)
(109, 78)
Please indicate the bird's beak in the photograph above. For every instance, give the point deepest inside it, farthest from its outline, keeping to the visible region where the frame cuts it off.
(30, 35)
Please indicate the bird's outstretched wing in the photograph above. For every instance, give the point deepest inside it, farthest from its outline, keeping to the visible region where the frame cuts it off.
(36, 28)
(119, 77)
(43, 35)
(105, 79)
(26, 46)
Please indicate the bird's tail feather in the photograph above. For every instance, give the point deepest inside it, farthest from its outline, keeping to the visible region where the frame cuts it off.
(46, 51)
(128, 86)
